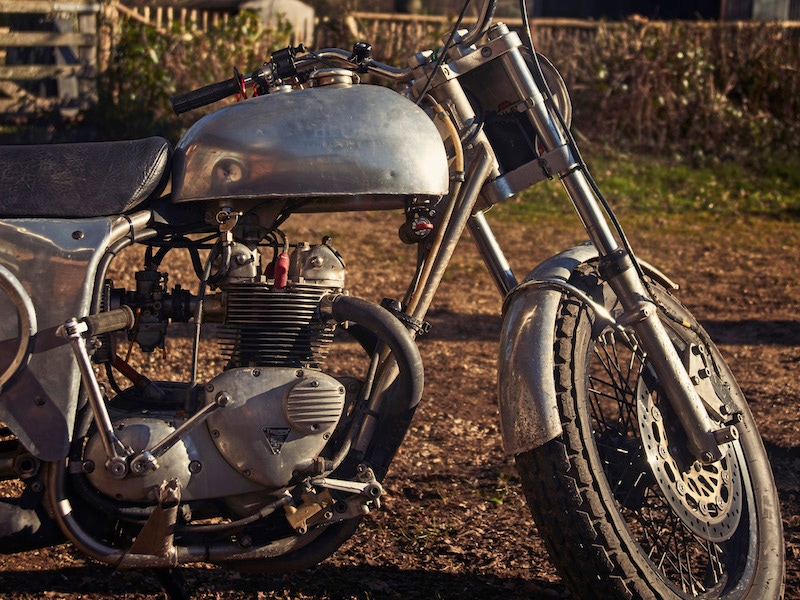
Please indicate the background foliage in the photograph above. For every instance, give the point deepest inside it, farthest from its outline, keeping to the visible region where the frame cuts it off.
(702, 91)
(147, 66)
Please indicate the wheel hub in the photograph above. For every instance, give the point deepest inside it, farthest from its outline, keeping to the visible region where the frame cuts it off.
(707, 498)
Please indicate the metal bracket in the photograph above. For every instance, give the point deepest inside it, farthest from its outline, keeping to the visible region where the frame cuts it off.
(147, 460)
(700, 374)
(116, 452)
(157, 537)
(320, 507)
(544, 167)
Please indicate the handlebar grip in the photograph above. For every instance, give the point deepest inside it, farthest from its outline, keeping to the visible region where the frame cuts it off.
(206, 95)
(118, 319)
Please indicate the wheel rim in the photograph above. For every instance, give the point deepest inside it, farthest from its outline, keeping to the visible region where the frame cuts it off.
(640, 450)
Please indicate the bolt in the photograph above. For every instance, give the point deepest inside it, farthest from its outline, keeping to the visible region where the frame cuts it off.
(223, 399)
(209, 387)
(486, 52)
(315, 383)
(707, 457)
(720, 502)
(116, 468)
(256, 372)
(39, 401)
(215, 433)
(316, 262)
(78, 235)
(195, 467)
(681, 487)
(704, 373)
(37, 486)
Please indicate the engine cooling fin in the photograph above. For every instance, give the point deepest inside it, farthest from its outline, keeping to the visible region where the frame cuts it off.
(266, 327)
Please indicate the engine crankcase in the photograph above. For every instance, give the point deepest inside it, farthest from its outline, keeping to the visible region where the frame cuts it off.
(275, 421)
(194, 461)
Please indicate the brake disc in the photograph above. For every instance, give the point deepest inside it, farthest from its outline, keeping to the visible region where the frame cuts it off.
(706, 498)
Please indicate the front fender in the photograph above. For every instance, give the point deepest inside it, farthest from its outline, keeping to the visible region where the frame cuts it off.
(526, 370)
(525, 373)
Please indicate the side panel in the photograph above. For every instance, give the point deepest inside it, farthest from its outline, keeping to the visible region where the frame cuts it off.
(55, 261)
(526, 381)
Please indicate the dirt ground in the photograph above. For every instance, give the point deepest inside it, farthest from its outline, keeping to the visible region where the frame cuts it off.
(454, 523)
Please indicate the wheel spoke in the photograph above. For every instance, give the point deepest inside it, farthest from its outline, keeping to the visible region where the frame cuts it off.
(690, 562)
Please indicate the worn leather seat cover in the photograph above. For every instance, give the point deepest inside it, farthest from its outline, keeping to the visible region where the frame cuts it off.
(81, 180)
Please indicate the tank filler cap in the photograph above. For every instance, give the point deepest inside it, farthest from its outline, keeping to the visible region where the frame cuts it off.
(337, 77)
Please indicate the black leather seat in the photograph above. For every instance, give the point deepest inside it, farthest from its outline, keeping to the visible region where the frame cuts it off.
(81, 180)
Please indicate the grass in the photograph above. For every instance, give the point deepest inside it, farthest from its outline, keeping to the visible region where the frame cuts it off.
(654, 185)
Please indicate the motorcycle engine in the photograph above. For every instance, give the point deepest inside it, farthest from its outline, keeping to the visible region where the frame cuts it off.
(275, 409)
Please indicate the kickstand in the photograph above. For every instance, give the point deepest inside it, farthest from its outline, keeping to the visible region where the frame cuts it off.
(173, 582)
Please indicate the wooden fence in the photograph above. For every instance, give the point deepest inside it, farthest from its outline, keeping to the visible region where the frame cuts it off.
(164, 18)
(48, 55)
(52, 50)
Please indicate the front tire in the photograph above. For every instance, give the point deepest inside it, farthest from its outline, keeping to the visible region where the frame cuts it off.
(620, 503)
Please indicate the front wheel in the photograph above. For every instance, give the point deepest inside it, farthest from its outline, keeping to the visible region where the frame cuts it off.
(624, 509)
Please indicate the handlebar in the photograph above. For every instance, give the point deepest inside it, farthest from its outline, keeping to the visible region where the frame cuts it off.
(343, 58)
(237, 84)
(208, 94)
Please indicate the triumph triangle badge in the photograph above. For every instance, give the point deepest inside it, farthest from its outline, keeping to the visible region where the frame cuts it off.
(276, 437)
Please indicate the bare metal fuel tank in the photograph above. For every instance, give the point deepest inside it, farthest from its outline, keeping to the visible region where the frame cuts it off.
(343, 147)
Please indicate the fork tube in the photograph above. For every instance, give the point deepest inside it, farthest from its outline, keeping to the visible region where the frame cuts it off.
(578, 188)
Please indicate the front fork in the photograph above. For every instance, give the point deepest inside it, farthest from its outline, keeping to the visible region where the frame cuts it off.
(639, 310)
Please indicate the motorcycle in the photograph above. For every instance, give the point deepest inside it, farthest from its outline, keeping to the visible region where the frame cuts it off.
(638, 455)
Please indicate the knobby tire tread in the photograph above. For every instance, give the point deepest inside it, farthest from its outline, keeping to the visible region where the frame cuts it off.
(566, 481)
